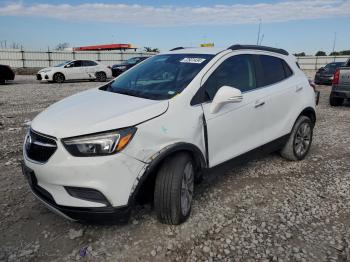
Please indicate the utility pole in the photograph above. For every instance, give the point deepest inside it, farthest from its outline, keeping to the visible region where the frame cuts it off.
(262, 38)
(257, 41)
(334, 41)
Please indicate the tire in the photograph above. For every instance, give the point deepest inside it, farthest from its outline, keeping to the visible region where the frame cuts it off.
(2, 81)
(173, 191)
(299, 141)
(101, 77)
(58, 78)
(335, 101)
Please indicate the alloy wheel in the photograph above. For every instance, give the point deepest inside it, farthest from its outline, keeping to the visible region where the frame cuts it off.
(302, 139)
(187, 186)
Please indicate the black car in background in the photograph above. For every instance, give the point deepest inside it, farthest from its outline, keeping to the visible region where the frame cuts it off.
(120, 68)
(324, 75)
(6, 73)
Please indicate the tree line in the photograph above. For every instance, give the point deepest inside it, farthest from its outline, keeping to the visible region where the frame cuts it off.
(322, 53)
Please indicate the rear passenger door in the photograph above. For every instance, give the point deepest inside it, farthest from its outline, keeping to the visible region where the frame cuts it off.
(237, 127)
(281, 95)
(75, 71)
(90, 68)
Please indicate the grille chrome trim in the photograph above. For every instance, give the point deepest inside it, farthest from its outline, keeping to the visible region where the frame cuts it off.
(38, 147)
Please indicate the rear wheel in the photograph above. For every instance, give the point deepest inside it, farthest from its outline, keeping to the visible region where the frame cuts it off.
(300, 139)
(335, 101)
(174, 188)
(101, 76)
(2, 81)
(58, 78)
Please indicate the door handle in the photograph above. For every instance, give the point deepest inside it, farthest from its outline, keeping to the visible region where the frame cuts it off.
(299, 88)
(259, 104)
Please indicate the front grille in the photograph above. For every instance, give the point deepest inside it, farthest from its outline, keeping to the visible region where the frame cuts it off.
(38, 76)
(39, 147)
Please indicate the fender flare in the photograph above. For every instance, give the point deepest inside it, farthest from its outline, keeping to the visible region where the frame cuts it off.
(158, 158)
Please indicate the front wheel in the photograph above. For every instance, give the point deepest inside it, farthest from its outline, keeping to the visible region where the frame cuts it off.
(174, 188)
(101, 77)
(299, 141)
(58, 78)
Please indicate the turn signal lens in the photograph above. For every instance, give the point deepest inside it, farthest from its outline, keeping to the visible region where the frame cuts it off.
(124, 141)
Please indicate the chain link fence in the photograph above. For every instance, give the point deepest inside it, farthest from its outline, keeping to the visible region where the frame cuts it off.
(39, 59)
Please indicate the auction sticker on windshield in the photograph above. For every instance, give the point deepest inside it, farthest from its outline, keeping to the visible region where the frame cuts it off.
(192, 60)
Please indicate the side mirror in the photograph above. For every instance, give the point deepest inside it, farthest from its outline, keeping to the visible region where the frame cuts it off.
(226, 94)
(321, 69)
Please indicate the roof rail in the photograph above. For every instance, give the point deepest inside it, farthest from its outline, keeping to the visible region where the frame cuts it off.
(177, 48)
(259, 47)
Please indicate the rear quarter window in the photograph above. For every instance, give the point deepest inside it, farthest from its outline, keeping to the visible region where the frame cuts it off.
(274, 69)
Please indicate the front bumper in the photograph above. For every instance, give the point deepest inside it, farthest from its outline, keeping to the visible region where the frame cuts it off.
(105, 215)
(43, 77)
(113, 176)
(116, 72)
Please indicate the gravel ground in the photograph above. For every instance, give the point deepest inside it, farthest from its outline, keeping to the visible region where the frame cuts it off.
(268, 209)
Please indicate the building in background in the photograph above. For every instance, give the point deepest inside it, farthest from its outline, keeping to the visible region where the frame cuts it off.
(106, 47)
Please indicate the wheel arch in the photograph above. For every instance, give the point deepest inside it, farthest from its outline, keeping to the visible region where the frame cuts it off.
(309, 112)
(146, 182)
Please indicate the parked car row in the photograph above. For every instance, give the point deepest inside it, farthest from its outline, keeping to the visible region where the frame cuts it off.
(75, 70)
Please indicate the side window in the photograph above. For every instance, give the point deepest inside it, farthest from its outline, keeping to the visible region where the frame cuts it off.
(78, 63)
(236, 71)
(274, 69)
(88, 63)
(287, 70)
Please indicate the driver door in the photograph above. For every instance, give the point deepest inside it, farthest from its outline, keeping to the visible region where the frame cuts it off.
(236, 127)
(75, 70)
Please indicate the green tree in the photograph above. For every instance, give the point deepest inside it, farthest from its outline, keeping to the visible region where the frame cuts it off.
(61, 46)
(150, 49)
(320, 53)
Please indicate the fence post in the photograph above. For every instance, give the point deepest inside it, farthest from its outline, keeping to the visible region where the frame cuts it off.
(73, 53)
(98, 56)
(22, 57)
(121, 56)
(49, 56)
(316, 63)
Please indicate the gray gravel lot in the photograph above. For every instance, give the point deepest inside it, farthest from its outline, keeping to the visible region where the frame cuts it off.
(268, 209)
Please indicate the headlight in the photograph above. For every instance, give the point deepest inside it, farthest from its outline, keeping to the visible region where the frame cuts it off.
(101, 144)
(44, 70)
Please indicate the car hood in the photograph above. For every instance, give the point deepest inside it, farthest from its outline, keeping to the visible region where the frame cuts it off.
(46, 69)
(95, 111)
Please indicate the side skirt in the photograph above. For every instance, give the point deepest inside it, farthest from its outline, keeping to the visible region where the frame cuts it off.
(256, 153)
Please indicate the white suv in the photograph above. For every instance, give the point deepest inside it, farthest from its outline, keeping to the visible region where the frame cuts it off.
(157, 126)
(75, 70)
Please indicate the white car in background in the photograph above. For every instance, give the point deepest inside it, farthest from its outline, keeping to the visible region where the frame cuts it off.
(75, 70)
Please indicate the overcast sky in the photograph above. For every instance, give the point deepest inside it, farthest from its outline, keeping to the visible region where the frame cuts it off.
(302, 25)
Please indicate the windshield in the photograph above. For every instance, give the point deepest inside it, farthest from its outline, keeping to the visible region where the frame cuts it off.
(130, 61)
(159, 77)
(62, 64)
(332, 67)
